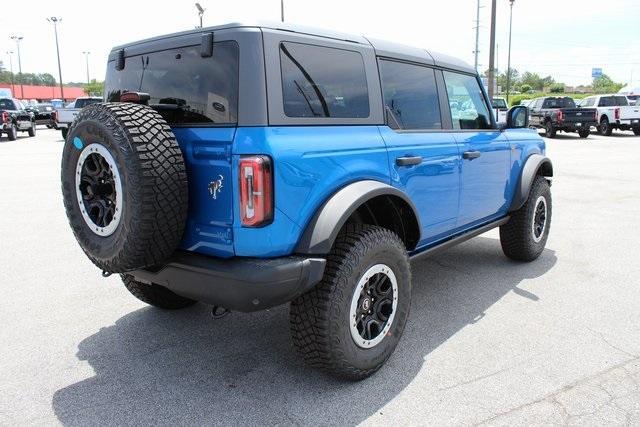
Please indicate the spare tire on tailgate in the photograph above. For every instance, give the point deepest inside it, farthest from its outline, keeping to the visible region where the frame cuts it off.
(124, 185)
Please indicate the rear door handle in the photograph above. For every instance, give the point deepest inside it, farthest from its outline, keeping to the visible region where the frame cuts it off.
(408, 161)
(470, 155)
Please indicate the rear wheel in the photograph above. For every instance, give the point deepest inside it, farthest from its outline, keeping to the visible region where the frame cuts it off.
(636, 131)
(12, 134)
(352, 321)
(605, 127)
(155, 295)
(584, 133)
(549, 130)
(64, 131)
(524, 237)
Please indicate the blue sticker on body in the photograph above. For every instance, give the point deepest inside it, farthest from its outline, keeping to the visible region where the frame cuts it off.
(77, 142)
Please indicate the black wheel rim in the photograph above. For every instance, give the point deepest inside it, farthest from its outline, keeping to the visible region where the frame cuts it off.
(373, 306)
(539, 219)
(98, 189)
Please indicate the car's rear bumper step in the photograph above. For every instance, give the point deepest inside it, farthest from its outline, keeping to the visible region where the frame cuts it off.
(241, 284)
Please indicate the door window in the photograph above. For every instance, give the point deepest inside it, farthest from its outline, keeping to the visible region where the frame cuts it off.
(466, 100)
(410, 96)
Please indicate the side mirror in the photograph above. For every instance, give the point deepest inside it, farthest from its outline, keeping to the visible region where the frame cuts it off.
(518, 117)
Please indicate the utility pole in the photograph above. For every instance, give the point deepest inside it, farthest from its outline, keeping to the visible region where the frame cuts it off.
(86, 57)
(55, 21)
(13, 87)
(282, 10)
(477, 51)
(17, 39)
(492, 41)
(509, 54)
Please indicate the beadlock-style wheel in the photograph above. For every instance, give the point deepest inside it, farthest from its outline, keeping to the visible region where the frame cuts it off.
(99, 189)
(539, 223)
(373, 306)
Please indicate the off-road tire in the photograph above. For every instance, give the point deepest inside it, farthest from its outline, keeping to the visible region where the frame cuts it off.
(584, 133)
(516, 236)
(12, 133)
(155, 295)
(32, 130)
(636, 131)
(154, 186)
(549, 130)
(320, 319)
(605, 128)
(65, 132)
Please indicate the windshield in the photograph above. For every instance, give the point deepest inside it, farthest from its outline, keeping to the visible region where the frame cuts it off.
(559, 103)
(499, 103)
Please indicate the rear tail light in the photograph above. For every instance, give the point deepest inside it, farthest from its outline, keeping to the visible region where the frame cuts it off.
(5, 117)
(617, 113)
(54, 116)
(256, 191)
(560, 116)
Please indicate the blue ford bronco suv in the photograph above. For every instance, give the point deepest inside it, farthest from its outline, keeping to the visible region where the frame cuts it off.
(247, 166)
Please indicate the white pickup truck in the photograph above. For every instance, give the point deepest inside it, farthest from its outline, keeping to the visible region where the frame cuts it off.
(614, 112)
(63, 117)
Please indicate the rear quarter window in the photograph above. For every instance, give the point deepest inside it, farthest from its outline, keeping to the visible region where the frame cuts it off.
(185, 88)
(319, 81)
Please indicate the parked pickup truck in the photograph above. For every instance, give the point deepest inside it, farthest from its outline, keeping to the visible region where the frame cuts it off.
(500, 108)
(14, 117)
(555, 113)
(614, 112)
(63, 117)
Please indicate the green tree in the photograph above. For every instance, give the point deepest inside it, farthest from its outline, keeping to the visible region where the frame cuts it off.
(524, 88)
(604, 84)
(557, 88)
(95, 88)
(514, 81)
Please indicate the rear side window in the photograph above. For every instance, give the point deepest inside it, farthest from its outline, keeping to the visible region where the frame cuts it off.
(184, 87)
(81, 103)
(323, 82)
(410, 96)
(7, 104)
(466, 100)
(588, 102)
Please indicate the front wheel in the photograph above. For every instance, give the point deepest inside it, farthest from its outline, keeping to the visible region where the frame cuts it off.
(524, 236)
(32, 130)
(584, 133)
(64, 131)
(549, 130)
(352, 321)
(12, 134)
(636, 131)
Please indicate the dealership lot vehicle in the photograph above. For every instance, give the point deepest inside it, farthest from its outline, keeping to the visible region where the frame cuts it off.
(43, 113)
(614, 112)
(15, 118)
(311, 180)
(500, 108)
(63, 117)
(555, 114)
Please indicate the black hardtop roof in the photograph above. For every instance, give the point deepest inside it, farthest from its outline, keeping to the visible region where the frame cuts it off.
(382, 47)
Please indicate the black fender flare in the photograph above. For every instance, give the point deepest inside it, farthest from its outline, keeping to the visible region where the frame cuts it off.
(322, 230)
(535, 164)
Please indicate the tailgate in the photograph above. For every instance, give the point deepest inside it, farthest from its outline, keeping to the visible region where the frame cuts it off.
(207, 154)
(578, 115)
(630, 113)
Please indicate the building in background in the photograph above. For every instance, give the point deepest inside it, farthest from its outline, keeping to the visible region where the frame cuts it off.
(43, 93)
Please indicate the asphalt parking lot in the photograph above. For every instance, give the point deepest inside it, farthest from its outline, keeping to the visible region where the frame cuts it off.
(489, 341)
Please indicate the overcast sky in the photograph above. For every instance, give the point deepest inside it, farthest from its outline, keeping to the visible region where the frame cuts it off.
(561, 38)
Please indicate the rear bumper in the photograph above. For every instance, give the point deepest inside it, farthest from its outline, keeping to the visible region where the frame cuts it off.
(573, 126)
(241, 284)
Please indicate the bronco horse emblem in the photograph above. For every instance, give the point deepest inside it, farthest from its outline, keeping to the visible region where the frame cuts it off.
(215, 187)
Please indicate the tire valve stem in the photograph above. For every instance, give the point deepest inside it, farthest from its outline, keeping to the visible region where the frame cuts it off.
(106, 273)
(218, 312)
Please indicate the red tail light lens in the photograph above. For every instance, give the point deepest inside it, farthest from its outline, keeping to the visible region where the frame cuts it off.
(617, 113)
(256, 191)
(5, 117)
(560, 116)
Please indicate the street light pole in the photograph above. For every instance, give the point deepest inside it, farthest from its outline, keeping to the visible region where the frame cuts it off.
(13, 85)
(55, 21)
(17, 39)
(282, 10)
(200, 12)
(477, 34)
(86, 57)
(492, 47)
(509, 54)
